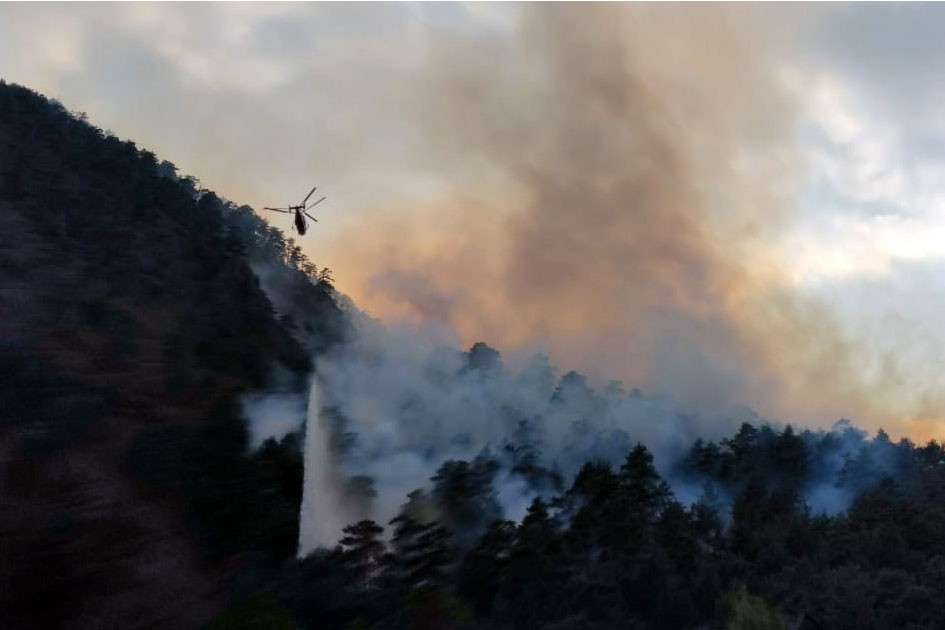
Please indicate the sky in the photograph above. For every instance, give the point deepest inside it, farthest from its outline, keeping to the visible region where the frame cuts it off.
(724, 204)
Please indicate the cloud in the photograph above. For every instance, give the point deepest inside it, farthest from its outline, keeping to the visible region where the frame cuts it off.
(875, 147)
(257, 100)
(865, 203)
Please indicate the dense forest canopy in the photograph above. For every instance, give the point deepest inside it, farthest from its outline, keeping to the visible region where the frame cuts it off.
(138, 310)
(614, 548)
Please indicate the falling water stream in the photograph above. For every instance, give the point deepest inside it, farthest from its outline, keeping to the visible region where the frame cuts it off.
(323, 513)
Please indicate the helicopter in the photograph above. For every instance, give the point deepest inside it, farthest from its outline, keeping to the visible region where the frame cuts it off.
(300, 210)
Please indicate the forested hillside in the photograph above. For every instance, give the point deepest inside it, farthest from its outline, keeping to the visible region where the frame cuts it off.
(137, 310)
(131, 321)
(768, 528)
(616, 549)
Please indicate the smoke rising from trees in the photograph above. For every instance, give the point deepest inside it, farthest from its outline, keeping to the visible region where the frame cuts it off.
(399, 412)
(615, 199)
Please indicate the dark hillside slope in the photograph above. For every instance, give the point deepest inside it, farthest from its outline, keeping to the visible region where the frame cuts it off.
(130, 322)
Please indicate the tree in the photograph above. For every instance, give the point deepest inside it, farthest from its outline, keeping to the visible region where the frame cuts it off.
(364, 551)
(483, 567)
(483, 360)
(642, 485)
(423, 548)
(790, 459)
(466, 501)
(595, 506)
(749, 612)
(536, 575)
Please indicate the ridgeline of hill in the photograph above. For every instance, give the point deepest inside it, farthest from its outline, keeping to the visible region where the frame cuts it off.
(130, 323)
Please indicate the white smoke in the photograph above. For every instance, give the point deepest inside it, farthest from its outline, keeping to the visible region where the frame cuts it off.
(272, 415)
(401, 404)
(394, 403)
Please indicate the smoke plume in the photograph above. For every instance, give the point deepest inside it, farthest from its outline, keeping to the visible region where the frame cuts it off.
(618, 178)
(396, 404)
(615, 185)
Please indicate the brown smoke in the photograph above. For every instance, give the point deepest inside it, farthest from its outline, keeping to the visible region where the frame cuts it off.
(616, 175)
(606, 182)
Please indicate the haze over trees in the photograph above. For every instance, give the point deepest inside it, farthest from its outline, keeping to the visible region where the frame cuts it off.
(616, 549)
(136, 309)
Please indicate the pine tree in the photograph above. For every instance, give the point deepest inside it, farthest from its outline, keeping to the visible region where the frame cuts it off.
(642, 485)
(483, 568)
(465, 499)
(364, 551)
(423, 549)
